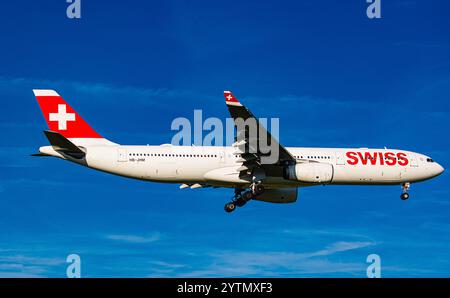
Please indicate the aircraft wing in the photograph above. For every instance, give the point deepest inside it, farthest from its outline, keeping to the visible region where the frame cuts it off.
(253, 143)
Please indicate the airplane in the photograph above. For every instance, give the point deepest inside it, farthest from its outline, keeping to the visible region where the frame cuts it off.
(238, 166)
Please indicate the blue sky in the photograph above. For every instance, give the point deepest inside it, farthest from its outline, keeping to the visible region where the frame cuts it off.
(332, 76)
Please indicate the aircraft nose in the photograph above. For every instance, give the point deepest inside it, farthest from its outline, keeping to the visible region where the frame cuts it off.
(439, 169)
(436, 169)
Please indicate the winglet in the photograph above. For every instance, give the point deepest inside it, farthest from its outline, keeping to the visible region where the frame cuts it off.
(230, 99)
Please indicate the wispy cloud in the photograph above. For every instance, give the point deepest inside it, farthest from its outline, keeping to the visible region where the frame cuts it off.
(102, 91)
(149, 238)
(282, 263)
(286, 258)
(23, 259)
(339, 247)
(26, 266)
(152, 96)
(305, 268)
(167, 265)
(164, 269)
(342, 233)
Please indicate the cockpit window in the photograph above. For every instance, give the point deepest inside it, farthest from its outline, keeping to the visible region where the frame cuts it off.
(430, 160)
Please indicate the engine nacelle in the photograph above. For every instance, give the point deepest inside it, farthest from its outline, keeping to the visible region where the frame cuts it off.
(281, 195)
(311, 172)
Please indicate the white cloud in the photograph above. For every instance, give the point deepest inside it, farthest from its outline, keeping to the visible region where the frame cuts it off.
(166, 264)
(306, 267)
(14, 274)
(341, 233)
(340, 247)
(243, 263)
(102, 91)
(153, 237)
(26, 266)
(22, 259)
(288, 258)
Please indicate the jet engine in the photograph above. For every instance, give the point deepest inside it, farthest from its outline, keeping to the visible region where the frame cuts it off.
(311, 172)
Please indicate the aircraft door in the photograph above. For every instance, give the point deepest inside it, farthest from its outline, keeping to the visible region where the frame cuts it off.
(222, 156)
(340, 160)
(122, 155)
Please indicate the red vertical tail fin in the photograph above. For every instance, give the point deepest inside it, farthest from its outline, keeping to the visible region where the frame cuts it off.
(62, 118)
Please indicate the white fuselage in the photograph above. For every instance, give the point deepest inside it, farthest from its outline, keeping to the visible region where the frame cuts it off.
(217, 166)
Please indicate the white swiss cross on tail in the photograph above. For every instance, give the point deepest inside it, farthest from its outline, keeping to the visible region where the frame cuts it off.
(62, 117)
(230, 99)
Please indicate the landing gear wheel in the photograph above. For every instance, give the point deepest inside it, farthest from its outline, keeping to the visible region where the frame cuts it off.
(240, 202)
(259, 189)
(404, 196)
(230, 207)
(247, 196)
(405, 188)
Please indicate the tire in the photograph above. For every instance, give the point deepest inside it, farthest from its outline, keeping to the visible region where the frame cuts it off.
(240, 202)
(404, 196)
(247, 196)
(230, 207)
(259, 189)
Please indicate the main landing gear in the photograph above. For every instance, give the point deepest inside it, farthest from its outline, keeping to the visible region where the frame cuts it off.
(405, 187)
(241, 198)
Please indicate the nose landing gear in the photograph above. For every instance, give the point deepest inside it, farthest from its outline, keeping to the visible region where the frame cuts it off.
(405, 187)
(240, 199)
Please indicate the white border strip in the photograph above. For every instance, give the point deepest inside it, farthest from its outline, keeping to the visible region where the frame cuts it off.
(44, 92)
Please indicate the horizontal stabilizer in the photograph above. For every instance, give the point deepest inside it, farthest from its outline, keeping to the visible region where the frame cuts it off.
(40, 154)
(63, 145)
